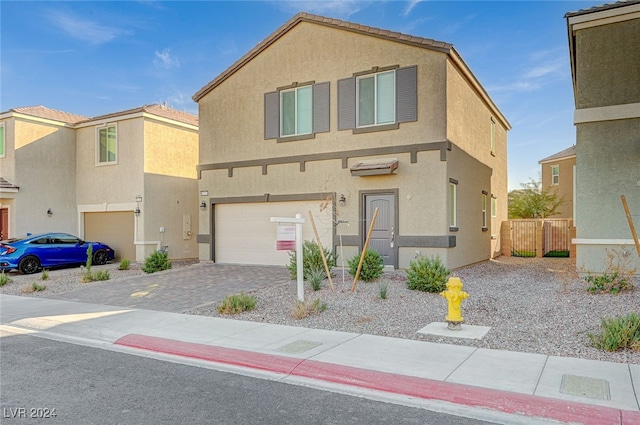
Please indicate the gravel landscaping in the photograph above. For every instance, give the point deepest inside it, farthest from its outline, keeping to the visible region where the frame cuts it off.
(531, 305)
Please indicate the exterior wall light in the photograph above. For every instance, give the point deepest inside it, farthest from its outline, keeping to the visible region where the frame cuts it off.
(203, 205)
(342, 200)
(49, 212)
(137, 211)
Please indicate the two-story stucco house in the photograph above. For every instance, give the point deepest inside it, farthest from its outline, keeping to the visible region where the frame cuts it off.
(340, 119)
(126, 178)
(605, 63)
(558, 173)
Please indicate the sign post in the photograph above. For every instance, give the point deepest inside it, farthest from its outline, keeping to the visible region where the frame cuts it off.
(298, 221)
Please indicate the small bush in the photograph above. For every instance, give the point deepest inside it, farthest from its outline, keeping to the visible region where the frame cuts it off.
(237, 304)
(311, 260)
(618, 333)
(89, 257)
(92, 276)
(617, 276)
(39, 288)
(45, 275)
(157, 261)
(124, 264)
(382, 289)
(4, 279)
(34, 287)
(372, 266)
(315, 278)
(427, 274)
(306, 309)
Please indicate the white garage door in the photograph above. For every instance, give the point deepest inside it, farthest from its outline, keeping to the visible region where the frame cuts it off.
(244, 233)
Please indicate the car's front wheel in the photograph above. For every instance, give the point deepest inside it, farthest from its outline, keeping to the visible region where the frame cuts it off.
(29, 265)
(100, 257)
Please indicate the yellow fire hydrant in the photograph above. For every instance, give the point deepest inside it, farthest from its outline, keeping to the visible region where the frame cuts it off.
(454, 295)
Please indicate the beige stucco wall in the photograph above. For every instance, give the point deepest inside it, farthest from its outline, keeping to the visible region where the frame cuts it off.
(170, 150)
(564, 188)
(232, 129)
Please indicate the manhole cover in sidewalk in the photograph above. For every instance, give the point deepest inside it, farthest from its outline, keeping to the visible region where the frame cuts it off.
(297, 347)
(585, 387)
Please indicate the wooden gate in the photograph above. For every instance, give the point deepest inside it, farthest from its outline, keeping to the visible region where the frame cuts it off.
(557, 238)
(538, 238)
(523, 238)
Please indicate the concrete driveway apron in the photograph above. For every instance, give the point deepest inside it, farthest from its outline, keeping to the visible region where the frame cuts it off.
(182, 289)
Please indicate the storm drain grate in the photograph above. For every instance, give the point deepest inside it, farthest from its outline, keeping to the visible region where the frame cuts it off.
(297, 347)
(585, 387)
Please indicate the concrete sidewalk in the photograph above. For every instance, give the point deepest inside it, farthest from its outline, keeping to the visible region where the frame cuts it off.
(566, 390)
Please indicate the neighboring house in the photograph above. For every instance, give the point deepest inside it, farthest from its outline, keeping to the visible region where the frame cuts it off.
(127, 179)
(338, 119)
(558, 175)
(605, 65)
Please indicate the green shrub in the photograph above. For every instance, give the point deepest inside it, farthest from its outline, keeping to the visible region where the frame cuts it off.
(372, 266)
(315, 278)
(427, 274)
(237, 304)
(618, 333)
(124, 264)
(311, 259)
(45, 274)
(89, 257)
(382, 289)
(306, 309)
(617, 276)
(92, 276)
(157, 261)
(38, 288)
(4, 279)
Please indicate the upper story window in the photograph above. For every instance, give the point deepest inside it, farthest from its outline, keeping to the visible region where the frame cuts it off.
(378, 99)
(296, 112)
(555, 175)
(107, 145)
(2, 145)
(493, 137)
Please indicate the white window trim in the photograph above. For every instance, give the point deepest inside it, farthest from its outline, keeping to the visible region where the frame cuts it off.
(555, 175)
(453, 205)
(494, 206)
(375, 96)
(295, 112)
(4, 141)
(493, 137)
(106, 163)
(484, 210)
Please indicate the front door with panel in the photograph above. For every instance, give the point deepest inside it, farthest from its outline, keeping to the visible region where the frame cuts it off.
(383, 235)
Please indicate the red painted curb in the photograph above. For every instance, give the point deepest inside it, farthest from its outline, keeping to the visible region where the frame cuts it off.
(503, 401)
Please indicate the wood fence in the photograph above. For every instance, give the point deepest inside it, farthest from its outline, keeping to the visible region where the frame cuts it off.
(549, 237)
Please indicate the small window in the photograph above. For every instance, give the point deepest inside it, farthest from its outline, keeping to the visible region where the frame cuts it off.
(453, 201)
(555, 175)
(107, 145)
(376, 99)
(296, 111)
(493, 137)
(484, 210)
(494, 207)
(2, 146)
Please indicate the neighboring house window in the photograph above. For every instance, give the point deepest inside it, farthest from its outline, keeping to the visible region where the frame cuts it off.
(379, 99)
(296, 112)
(493, 137)
(453, 203)
(2, 146)
(555, 175)
(494, 207)
(107, 145)
(484, 210)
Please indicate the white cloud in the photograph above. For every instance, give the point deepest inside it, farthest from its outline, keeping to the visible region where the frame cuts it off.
(332, 8)
(85, 30)
(410, 5)
(164, 59)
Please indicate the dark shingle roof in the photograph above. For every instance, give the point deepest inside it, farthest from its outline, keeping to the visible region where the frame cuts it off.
(562, 154)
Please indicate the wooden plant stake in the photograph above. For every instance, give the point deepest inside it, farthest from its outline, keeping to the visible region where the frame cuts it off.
(364, 250)
(631, 226)
(324, 260)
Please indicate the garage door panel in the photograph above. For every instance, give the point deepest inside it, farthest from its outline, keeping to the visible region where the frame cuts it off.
(113, 228)
(244, 233)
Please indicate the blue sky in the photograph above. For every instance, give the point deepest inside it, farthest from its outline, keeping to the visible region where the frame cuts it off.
(97, 57)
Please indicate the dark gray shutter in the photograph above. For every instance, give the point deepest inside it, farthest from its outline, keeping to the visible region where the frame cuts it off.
(321, 107)
(406, 94)
(347, 103)
(272, 115)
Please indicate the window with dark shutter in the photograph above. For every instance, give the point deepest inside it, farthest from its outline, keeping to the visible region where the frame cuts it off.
(347, 103)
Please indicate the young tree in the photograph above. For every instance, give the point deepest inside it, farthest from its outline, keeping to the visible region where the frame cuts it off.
(533, 202)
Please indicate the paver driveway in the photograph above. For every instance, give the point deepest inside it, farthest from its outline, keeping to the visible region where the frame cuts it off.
(182, 289)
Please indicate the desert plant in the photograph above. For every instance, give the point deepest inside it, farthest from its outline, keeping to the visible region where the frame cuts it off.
(45, 274)
(26, 289)
(372, 266)
(307, 308)
(237, 304)
(89, 257)
(101, 275)
(618, 333)
(427, 274)
(124, 264)
(617, 276)
(4, 279)
(315, 278)
(311, 259)
(383, 286)
(157, 261)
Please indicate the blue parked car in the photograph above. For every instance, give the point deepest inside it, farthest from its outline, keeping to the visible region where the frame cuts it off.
(32, 253)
